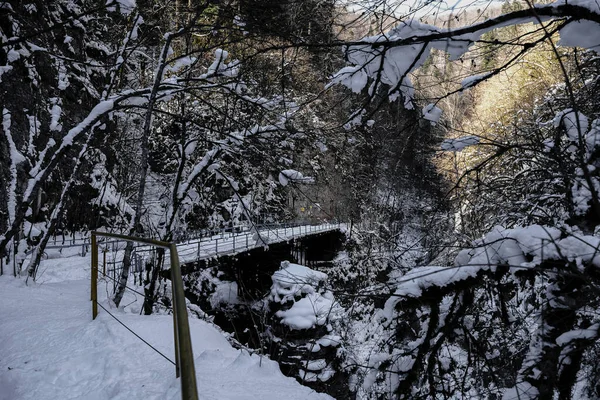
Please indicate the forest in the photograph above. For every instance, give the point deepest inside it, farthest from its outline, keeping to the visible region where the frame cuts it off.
(457, 146)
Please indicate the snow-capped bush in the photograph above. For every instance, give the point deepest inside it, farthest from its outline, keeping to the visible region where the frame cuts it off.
(304, 315)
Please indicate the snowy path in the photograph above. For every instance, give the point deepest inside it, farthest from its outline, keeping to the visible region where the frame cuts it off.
(51, 349)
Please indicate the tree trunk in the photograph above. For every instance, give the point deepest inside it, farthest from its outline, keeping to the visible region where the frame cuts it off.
(136, 227)
(150, 285)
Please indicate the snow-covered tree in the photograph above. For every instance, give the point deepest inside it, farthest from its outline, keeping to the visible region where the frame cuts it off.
(443, 330)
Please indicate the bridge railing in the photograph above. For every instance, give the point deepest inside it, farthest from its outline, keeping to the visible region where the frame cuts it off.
(222, 234)
(202, 244)
(193, 250)
(184, 356)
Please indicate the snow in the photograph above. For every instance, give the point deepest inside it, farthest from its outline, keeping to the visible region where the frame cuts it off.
(392, 65)
(55, 113)
(585, 248)
(315, 365)
(100, 109)
(220, 55)
(578, 127)
(535, 242)
(591, 5)
(125, 6)
(4, 69)
(578, 334)
(581, 195)
(294, 280)
(459, 144)
(190, 147)
(329, 340)
(239, 21)
(225, 293)
(418, 279)
(306, 313)
(63, 79)
(412, 41)
(510, 246)
(520, 248)
(581, 33)
(108, 193)
(13, 55)
(575, 123)
(180, 63)
(294, 273)
(473, 80)
(354, 78)
(310, 376)
(432, 113)
(315, 306)
(522, 391)
(579, 130)
(51, 348)
(38, 166)
(289, 175)
(200, 167)
(15, 159)
(219, 67)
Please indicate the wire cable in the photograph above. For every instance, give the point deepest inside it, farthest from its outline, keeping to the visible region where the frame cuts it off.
(117, 281)
(136, 335)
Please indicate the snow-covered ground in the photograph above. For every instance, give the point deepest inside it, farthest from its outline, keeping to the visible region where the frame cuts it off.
(51, 349)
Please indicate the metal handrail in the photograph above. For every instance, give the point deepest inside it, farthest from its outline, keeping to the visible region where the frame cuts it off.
(184, 356)
(214, 242)
(204, 236)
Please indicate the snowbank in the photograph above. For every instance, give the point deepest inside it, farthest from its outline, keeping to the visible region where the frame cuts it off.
(314, 309)
(294, 280)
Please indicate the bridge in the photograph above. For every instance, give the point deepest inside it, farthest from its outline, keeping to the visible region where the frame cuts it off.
(198, 246)
(249, 250)
(238, 241)
(205, 244)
